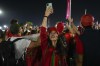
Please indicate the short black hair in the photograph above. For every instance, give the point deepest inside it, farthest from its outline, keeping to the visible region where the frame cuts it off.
(14, 21)
(14, 28)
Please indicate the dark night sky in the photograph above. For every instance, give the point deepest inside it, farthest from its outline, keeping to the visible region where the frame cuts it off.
(33, 10)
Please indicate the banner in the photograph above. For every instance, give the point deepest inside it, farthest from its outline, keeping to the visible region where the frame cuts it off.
(68, 11)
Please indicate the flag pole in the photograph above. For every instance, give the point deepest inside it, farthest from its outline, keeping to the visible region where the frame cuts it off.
(68, 9)
(85, 11)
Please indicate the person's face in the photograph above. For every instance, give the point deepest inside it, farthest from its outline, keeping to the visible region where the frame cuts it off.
(53, 35)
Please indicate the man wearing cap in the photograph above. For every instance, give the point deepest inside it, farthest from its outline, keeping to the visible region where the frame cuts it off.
(91, 42)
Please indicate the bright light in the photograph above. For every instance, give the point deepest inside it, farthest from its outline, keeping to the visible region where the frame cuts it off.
(0, 27)
(3, 30)
(1, 12)
(5, 26)
(78, 26)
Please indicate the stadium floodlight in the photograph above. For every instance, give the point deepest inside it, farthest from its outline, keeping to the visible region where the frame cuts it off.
(1, 12)
(0, 27)
(5, 26)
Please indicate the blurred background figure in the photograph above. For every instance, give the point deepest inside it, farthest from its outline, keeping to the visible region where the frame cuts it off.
(90, 39)
(1, 36)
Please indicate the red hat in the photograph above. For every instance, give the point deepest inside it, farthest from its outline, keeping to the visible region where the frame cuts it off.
(87, 20)
(52, 29)
(60, 27)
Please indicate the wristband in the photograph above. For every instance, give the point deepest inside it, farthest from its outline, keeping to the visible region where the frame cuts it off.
(46, 16)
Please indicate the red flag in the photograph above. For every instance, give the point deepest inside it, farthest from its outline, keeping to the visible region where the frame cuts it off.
(68, 11)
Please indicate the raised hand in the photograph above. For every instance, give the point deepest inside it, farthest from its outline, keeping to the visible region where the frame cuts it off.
(48, 11)
(70, 19)
(73, 29)
(67, 25)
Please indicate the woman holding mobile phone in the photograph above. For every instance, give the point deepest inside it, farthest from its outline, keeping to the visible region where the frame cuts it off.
(52, 49)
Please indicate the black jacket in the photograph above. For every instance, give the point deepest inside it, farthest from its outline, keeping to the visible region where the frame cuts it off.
(91, 47)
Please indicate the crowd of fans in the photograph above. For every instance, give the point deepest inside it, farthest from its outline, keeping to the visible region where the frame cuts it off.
(60, 45)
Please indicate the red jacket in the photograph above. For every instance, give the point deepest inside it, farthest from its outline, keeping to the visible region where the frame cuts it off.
(47, 52)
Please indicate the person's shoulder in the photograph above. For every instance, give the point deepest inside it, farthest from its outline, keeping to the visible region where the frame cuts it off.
(13, 38)
(20, 40)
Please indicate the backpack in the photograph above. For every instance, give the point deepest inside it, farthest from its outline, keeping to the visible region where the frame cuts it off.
(7, 53)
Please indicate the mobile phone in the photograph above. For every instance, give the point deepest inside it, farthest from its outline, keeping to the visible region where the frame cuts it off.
(49, 5)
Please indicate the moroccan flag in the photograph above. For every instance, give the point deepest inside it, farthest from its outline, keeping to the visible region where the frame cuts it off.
(68, 11)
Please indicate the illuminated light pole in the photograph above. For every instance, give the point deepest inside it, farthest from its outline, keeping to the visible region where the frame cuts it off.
(85, 11)
(5, 26)
(0, 27)
(1, 11)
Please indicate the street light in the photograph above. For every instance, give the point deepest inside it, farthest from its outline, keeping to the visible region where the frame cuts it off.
(0, 27)
(5, 26)
(1, 12)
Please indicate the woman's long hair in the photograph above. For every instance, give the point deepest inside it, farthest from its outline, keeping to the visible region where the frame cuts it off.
(60, 48)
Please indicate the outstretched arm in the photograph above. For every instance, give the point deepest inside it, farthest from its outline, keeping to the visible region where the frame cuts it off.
(48, 11)
(34, 44)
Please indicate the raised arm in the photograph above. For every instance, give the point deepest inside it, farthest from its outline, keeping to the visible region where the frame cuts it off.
(43, 33)
(34, 44)
(73, 29)
(48, 11)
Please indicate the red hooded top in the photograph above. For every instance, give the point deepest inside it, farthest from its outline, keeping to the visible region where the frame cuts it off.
(47, 52)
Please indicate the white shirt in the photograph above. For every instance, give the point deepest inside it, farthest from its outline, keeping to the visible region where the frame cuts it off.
(32, 37)
(20, 46)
